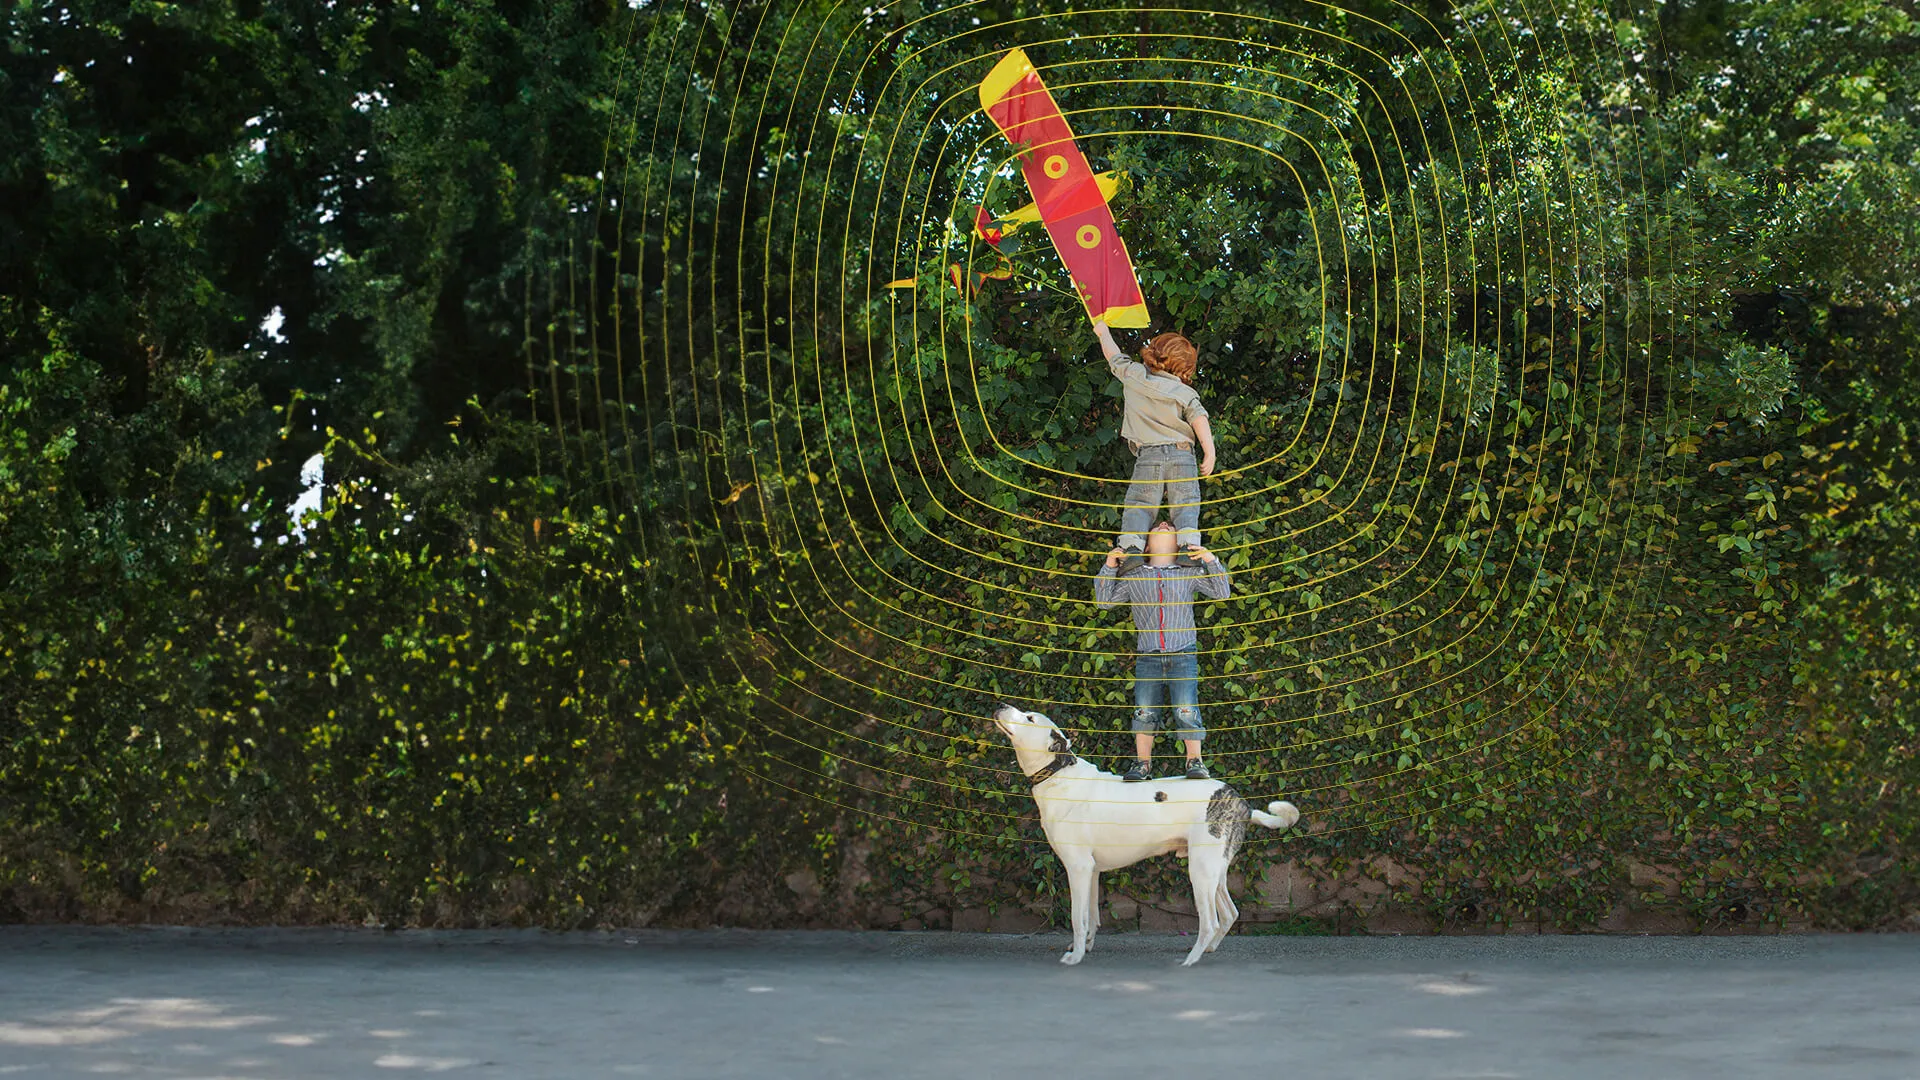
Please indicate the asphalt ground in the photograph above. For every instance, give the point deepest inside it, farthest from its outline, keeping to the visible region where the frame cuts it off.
(89, 1002)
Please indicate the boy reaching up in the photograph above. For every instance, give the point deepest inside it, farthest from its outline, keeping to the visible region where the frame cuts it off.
(1163, 422)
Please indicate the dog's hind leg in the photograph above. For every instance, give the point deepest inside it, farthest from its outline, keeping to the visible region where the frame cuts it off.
(1082, 882)
(1225, 912)
(1207, 872)
(1227, 816)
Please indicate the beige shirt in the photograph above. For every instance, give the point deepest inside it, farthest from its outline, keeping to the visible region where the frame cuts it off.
(1159, 408)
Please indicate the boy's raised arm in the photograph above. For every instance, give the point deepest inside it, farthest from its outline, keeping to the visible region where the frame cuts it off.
(1117, 361)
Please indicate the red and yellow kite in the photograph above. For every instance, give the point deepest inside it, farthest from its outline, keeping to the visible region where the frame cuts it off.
(1069, 198)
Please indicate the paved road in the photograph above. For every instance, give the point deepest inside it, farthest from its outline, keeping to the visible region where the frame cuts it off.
(325, 1004)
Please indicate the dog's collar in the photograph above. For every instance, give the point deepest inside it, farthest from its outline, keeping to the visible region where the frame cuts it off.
(1060, 761)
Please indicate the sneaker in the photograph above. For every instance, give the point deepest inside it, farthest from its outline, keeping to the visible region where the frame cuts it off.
(1133, 561)
(1185, 558)
(1197, 771)
(1142, 770)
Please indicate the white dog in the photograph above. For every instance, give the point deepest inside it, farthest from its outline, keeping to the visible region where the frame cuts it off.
(1096, 821)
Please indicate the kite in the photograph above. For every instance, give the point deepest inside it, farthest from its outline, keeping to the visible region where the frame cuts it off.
(1068, 198)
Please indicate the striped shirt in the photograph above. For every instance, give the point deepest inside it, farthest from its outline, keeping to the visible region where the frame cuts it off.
(1162, 600)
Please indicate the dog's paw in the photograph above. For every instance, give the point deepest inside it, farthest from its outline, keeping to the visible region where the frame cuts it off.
(1071, 958)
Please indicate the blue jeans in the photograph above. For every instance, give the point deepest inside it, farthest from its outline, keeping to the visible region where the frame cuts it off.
(1174, 676)
(1160, 470)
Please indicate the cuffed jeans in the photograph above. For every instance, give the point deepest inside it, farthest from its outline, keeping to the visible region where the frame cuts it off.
(1172, 678)
(1167, 470)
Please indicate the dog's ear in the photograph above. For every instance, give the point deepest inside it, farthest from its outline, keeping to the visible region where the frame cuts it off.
(1060, 744)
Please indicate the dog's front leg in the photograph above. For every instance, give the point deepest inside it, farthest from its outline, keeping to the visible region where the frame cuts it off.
(1095, 901)
(1082, 881)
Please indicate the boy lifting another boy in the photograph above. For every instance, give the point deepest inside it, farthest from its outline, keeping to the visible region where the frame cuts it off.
(1166, 659)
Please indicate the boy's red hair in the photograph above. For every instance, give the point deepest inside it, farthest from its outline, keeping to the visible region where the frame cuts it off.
(1172, 354)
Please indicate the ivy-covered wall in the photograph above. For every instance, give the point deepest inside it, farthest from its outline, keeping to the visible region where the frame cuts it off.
(1565, 377)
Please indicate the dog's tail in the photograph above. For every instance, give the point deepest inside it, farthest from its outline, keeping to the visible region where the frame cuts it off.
(1279, 814)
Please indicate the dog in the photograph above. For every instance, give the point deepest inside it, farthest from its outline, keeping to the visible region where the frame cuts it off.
(1095, 821)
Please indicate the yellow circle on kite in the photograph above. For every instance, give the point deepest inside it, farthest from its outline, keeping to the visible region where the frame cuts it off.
(1056, 166)
(1088, 236)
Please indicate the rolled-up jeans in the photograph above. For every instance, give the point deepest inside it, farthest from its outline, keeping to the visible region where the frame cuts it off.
(1174, 677)
(1168, 470)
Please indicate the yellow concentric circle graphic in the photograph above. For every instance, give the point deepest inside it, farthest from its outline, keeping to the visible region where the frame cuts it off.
(1415, 255)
